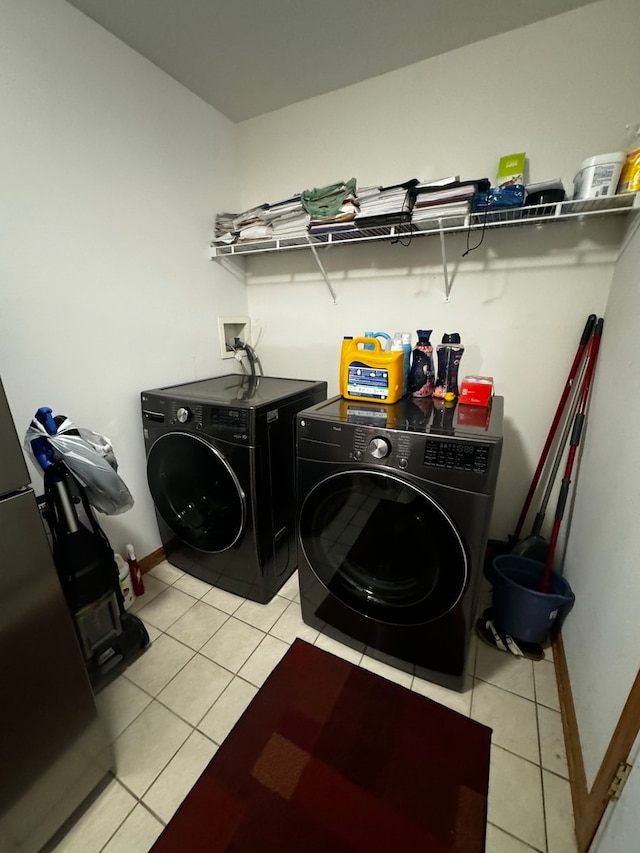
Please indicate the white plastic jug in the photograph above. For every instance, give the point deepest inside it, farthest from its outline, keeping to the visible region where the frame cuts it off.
(126, 586)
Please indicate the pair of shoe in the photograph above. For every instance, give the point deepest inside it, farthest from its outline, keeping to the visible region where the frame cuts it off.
(493, 636)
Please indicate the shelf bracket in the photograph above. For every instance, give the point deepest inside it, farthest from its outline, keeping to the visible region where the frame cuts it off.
(445, 270)
(322, 271)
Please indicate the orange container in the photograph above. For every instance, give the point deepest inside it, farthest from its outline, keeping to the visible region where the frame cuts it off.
(370, 374)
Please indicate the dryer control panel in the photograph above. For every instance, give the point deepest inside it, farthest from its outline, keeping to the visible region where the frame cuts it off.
(457, 462)
(456, 455)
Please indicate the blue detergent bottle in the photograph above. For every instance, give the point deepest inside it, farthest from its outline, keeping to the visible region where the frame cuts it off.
(383, 343)
(402, 341)
(422, 375)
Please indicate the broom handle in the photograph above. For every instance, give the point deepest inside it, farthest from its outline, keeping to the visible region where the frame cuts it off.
(576, 434)
(573, 407)
(584, 340)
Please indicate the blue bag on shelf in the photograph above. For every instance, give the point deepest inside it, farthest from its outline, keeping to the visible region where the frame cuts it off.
(499, 198)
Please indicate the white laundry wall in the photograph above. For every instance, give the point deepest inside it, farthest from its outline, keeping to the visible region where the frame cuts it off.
(111, 176)
(561, 90)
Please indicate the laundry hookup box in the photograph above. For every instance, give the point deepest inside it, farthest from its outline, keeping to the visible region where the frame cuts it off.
(476, 390)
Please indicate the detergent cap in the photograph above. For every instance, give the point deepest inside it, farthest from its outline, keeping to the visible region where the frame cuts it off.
(452, 338)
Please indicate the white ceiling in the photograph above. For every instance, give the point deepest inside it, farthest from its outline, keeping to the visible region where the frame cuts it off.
(249, 57)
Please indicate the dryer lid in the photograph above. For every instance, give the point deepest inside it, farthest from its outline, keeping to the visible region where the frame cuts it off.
(417, 415)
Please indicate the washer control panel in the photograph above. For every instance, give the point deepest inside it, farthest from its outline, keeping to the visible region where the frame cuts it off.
(229, 419)
(181, 414)
(234, 424)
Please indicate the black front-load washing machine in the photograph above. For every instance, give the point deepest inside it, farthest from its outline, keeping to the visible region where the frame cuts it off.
(220, 468)
(394, 504)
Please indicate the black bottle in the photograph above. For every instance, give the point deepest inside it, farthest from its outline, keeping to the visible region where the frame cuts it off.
(449, 356)
(421, 375)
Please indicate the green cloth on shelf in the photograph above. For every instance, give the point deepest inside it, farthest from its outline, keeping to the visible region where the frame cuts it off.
(325, 202)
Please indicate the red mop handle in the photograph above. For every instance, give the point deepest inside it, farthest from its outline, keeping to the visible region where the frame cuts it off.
(576, 434)
(577, 361)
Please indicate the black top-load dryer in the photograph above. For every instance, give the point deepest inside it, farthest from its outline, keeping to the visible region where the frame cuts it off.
(220, 467)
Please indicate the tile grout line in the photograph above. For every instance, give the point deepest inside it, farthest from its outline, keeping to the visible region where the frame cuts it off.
(506, 689)
(126, 817)
(542, 791)
(139, 802)
(515, 837)
(194, 728)
(198, 650)
(173, 677)
(154, 698)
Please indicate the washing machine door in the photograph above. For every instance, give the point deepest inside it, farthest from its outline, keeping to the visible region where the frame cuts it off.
(383, 547)
(196, 491)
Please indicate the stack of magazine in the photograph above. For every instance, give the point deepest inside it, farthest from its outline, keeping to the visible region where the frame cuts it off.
(280, 220)
(447, 199)
(381, 206)
(337, 220)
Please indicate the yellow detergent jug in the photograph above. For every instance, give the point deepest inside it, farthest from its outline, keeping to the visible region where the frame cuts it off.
(370, 374)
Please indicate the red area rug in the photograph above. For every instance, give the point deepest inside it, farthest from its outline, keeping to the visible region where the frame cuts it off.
(330, 757)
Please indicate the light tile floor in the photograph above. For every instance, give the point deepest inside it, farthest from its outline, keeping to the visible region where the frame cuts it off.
(211, 651)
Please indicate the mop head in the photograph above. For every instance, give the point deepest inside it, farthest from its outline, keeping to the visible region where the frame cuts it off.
(491, 634)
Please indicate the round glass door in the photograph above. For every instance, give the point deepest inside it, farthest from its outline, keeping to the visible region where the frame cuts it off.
(196, 492)
(383, 547)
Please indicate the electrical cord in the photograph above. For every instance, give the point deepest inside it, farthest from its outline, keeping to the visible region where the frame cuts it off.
(398, 238)
(484, 226)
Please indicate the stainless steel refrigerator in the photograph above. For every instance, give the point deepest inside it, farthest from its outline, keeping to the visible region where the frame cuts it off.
(53, 750)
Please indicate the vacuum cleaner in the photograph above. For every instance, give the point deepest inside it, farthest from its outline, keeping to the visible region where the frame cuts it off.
(110, 638)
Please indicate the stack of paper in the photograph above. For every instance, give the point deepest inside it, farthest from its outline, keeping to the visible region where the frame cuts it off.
(291, 223)
(428, 213)
(385, 205)
(281, 219)
(446, 198)
(224, 231)
(341, 221)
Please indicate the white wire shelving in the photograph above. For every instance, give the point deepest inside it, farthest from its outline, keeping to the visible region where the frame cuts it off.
(564, 211)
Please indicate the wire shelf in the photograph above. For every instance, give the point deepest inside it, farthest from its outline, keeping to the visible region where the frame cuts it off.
(519, 216)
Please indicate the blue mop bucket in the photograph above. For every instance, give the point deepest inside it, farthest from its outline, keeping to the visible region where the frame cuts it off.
(519, 608)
